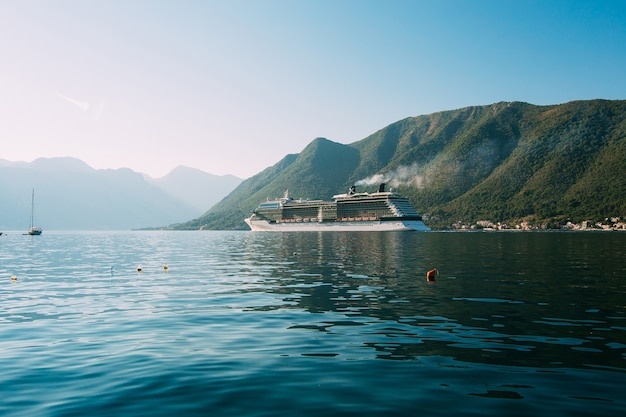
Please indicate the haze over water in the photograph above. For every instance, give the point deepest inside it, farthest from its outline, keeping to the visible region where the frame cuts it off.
(312, 324)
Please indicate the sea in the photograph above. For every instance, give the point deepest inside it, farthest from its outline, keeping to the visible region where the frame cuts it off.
(239, 323)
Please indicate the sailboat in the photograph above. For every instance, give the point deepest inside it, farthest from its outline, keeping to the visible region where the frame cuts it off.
(33, 230)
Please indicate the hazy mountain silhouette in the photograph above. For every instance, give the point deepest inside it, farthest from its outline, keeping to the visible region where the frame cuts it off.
(70, 195)
(197, 188)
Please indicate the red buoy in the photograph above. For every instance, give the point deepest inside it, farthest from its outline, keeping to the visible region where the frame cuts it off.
(430, 275)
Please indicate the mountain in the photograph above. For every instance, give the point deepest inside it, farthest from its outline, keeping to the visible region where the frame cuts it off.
(70, 195)
(505, 162)
(196, 188)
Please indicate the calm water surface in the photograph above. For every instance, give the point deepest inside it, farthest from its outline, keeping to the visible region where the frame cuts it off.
(312, 324)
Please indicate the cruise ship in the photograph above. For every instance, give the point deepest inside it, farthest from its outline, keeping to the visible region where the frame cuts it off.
(353, 211)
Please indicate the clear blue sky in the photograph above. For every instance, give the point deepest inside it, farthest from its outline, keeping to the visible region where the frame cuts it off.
(231, 87)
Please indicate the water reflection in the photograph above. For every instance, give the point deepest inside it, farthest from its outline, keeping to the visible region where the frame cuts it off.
(545, 300)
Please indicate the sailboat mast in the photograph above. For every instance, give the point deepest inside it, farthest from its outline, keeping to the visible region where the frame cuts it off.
(32, 208)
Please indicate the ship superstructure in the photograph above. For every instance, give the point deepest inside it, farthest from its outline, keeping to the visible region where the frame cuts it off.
(379, 211)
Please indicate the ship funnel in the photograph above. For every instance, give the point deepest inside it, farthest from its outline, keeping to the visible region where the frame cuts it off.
(352, 189)
(381, 187)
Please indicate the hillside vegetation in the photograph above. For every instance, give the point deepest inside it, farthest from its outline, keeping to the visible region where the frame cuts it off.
(505, 162)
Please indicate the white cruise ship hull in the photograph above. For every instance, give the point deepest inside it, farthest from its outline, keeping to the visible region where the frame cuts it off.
(348, 226)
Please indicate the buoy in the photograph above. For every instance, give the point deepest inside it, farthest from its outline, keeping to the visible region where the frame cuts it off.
(165, 268)
(139, 268)
(430, 275)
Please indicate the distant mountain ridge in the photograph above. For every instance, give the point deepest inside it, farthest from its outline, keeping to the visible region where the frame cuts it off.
(71, 195)
(504, 162)
(195, 187)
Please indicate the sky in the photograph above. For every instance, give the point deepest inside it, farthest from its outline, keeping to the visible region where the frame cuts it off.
(231, 87)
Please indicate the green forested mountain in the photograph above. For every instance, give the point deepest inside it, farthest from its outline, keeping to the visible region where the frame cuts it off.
(505, 162)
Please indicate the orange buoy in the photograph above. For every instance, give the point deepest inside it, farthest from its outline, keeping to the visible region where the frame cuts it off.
(430, 275)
